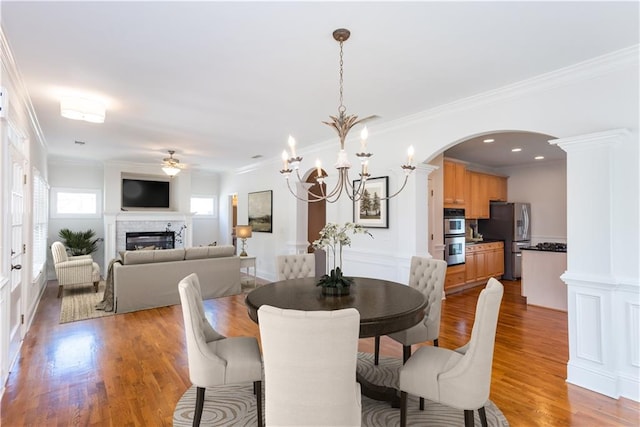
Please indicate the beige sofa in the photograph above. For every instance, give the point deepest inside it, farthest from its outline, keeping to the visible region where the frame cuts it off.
(148, 279)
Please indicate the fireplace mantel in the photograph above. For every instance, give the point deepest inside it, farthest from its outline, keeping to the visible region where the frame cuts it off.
(116, 224)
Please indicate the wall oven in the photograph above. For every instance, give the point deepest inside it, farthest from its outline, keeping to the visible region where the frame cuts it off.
(454, 236)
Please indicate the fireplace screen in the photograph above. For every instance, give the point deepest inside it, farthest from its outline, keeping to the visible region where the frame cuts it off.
(150, 240)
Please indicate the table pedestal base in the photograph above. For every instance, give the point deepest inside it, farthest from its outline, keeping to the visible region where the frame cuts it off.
(377, 392)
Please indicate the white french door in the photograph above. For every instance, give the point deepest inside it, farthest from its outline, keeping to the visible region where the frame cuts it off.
(17, 208)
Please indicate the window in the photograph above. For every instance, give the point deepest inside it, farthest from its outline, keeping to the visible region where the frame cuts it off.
(204, 206)
(40, 222)
(76, 203)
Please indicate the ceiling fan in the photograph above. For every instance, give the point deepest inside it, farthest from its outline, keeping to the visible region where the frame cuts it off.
(170, 165)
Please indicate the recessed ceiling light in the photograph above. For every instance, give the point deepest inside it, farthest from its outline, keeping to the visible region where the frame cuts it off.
(257, 156)
(516, 150)
(539, 157)
(488, 140)
(79, 142)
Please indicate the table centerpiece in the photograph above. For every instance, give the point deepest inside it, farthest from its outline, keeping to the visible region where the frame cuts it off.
(332, 238)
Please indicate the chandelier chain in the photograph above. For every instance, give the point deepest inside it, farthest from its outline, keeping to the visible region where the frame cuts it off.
(341, 107)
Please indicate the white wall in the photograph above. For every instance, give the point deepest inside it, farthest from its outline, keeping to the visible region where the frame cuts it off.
(205, 230)
(80, 175)
(543, 185)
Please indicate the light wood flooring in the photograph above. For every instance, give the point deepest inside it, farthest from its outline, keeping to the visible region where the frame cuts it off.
(131, 369)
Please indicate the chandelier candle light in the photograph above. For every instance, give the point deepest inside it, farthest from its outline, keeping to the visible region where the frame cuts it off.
(342, 123)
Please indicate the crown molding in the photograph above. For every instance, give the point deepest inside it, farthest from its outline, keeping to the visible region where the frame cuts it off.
(7, 59)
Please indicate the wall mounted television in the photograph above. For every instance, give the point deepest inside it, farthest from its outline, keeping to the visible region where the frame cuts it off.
(140, 193)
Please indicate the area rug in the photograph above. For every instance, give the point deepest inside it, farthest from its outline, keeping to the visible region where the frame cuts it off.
(235, 405)
(79, 302)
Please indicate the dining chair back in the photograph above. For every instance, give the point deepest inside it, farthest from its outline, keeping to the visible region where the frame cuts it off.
(214, 359)
(460, 379)
(426, 275)
(296, 266)
(310, 367)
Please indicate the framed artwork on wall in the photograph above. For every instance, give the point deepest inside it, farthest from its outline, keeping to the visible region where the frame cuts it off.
(371, 210)
(260, 211)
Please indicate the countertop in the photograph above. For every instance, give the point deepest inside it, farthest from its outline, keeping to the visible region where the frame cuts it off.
(479, 242)
(534, 248)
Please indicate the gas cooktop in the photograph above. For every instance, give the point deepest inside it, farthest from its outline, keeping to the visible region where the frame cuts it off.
(552, 246)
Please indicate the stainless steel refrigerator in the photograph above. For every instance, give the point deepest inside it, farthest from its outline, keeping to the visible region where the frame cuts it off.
(510, 222)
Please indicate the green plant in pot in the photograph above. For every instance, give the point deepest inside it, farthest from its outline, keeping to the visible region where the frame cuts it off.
(79, 242)
(332, 239)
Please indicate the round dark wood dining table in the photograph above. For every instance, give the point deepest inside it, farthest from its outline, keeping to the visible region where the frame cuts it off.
(384, 306)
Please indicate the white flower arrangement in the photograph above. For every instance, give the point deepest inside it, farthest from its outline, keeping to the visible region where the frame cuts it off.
(334, 236)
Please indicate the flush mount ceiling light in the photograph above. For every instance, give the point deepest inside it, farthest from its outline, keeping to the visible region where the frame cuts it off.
(78, 108)
(170, 165)
(342, 124)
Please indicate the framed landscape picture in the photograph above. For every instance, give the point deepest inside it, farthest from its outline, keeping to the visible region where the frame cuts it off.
(260, 211)
(371, 210)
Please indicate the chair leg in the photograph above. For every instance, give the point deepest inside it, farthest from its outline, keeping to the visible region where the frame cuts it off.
(403, 409)
(376, 352)
(435, 342)
(197, 415)
(95, 286)
(483, 416)
(59, 291)
(422, 403)
(468, 418)
(406, 353)
(257, 387)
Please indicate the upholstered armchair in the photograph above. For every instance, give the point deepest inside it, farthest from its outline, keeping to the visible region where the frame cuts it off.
(310, 362)
(214, 359)
(458, 378)
(73, 270)
(426, 275)
(296, 266)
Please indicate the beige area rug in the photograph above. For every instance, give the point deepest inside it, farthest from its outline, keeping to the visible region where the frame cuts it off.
(235, 405)
(79, 301)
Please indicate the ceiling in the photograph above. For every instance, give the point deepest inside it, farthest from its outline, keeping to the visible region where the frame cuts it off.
(222, 82)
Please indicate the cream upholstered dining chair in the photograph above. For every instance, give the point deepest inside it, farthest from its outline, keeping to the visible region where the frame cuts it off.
(296, 266)
(73, 270)
(310, 367)
(426, 275)
(460, 378)
(214, 359)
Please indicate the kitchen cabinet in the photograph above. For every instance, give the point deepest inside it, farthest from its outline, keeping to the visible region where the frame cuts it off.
(497, 188)
(481, 189)
(482, 261)
(454, 184)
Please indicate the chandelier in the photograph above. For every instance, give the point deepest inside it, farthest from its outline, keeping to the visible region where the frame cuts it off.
(342, 123)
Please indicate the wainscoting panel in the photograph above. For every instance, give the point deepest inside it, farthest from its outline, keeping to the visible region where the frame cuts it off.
(589, 336)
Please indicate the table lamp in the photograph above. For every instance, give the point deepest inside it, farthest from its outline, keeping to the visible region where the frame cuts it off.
(243, 232)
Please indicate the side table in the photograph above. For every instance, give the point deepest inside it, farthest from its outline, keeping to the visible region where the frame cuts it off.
(246, 263)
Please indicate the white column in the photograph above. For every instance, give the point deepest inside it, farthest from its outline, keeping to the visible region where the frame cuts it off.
(300, 244)
(602, 306)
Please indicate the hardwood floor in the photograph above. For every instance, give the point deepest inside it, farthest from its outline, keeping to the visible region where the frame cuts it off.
(131, 369)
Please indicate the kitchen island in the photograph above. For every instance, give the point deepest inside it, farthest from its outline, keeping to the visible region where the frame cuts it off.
(542, 266)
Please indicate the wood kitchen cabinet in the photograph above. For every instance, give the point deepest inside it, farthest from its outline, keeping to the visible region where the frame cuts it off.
(497, 188)
(482, 261)
(481, 189)
(454, 184)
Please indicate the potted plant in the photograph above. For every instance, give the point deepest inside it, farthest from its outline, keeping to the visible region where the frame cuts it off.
(332, 238)
(79, 242)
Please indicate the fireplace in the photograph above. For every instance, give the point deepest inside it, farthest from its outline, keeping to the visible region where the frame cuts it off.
(150, 239)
